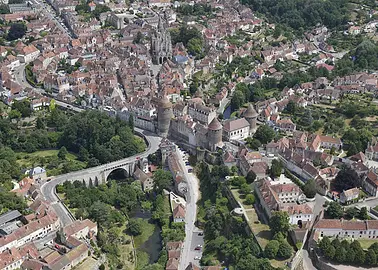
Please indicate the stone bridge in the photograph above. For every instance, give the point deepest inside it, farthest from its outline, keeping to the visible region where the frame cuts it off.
(101, 173)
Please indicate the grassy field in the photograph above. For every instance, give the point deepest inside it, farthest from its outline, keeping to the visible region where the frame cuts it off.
(127, 250)
(147, 231)
(27, 159)
(260, 230)
(89, 263)
(366, 243)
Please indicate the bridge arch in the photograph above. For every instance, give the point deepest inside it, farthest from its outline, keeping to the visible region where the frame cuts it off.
(117, 174)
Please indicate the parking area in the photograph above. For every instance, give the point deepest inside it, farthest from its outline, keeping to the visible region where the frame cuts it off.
(195, 253)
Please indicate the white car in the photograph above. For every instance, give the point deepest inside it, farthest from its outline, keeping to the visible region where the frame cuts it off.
(197, 258)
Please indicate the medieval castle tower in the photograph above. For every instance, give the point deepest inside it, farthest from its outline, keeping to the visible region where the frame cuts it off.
(164, 115)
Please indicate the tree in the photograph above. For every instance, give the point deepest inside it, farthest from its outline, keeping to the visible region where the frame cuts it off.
(324, 243)
(371, 257)
(251, 177)
(238, 99)
(309, 188)
(264, 134)
(276, 168)
(347, 178)
(253, 143)
(134, 227)
(352, 150)
(329, 252)
(352, 212)
(14, 114)
(83, 154)
(162, 180)
(307, 118)
(335, 210)
(138, 38)
(40, 123)
(284, 250)
(195, 46)
(351, 255)
(340, 255)
(250, 199)
(62, 153)
(16, 31)
(359, 252)
(291, 107)
(93, 162)
(131, 121)
(23, 107)
(279, 222)
(374, 247)
(271, 249)
(4, 9)
(245, 189)
(363, 214)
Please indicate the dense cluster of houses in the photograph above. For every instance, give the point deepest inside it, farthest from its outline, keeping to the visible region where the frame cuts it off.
(31, 241)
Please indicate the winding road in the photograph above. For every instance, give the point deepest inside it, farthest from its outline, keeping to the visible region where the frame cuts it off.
(48, 188)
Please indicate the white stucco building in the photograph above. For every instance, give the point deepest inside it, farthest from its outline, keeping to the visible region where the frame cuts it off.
(367, 229)
(236, 129)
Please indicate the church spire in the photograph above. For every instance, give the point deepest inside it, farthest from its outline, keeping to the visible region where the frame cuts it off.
(161, 24)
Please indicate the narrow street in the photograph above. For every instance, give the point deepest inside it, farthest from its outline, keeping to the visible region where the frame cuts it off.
(192, 237)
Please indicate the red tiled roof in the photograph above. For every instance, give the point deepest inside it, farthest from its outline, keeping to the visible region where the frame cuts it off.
(179, 212)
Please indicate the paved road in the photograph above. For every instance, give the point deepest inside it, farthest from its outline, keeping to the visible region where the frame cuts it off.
(48, 188)
(20, 78)
(49, 12)
(192, 239)
(369, 203)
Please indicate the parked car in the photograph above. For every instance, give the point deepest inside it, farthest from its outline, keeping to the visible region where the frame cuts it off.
(197, 258)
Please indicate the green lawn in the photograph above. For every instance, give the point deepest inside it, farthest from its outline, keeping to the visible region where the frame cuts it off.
(260, 230)
(127, 250)
(147, 231)
(89, 263)
(366, 243)
(142, 259)
(26, 159)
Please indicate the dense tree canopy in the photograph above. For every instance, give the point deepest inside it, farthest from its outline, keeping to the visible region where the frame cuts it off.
(106, 139)
(279, 222)
(364, 57)
(301, 14)
(16, 31)
(347, 252)
(309, 188)
(264, 134)
(335, 210)
(346, 179)
(224, 234)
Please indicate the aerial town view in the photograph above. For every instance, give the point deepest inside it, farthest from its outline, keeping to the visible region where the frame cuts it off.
(188, 134)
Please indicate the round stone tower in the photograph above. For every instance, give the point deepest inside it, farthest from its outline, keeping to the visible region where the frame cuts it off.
(214, 134)
(251, 116)
(164, 115)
